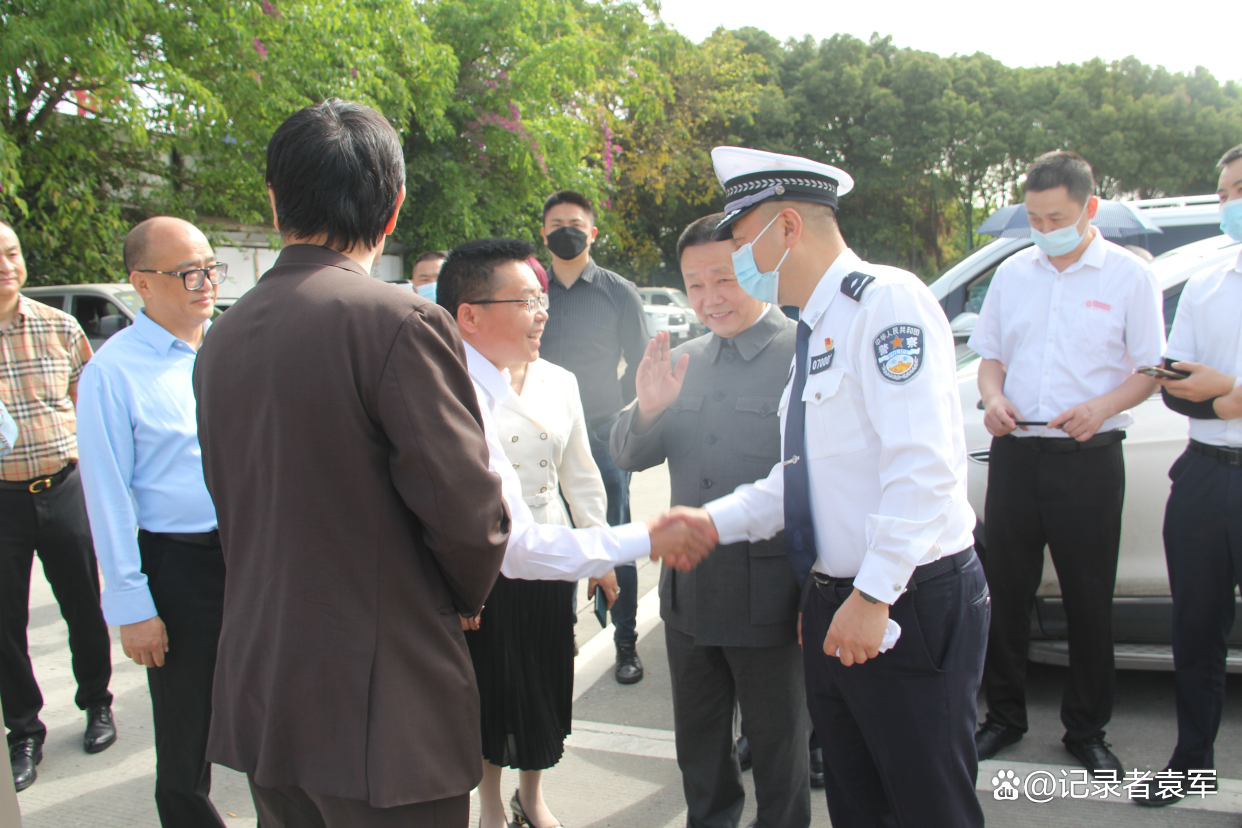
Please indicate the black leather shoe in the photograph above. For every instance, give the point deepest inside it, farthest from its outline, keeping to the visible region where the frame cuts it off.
(992, 738)
(743, 753)
(817, 767)
(629, 666)
(1163, 790)
(1095, 756)
(23, 756)
(100, 730)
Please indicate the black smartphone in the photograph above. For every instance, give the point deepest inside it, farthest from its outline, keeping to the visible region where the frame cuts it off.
(1162, 373)
(601, 606)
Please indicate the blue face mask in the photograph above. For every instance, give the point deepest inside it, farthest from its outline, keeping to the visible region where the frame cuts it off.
(1062, 241)
(1231, 219)
(762, 286)
(427, 291)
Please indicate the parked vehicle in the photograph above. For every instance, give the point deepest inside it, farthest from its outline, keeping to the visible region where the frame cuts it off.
(960, 288)
(101, 309)
(661, 297)
(668, 318)
(1142, 608)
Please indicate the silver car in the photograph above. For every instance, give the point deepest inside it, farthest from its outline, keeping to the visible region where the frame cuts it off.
(1142, 608)
(101, 309)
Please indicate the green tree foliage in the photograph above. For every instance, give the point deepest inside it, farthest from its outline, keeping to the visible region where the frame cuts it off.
(114, 110)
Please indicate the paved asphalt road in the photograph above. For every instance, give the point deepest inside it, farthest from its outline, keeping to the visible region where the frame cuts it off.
(619, 767)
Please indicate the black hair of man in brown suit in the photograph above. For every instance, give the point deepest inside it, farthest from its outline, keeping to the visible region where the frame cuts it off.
(343, 447)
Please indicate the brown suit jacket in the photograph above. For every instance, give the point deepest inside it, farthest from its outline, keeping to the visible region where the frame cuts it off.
(344, 450)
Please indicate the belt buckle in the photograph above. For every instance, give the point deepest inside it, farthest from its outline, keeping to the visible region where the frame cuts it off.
(40, 485)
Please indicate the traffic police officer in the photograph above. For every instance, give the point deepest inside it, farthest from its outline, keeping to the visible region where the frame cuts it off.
(1203, 521)
(871, 493)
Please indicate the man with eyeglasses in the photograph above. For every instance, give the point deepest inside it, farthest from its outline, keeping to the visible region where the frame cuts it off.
(142, 470)
(42, 354)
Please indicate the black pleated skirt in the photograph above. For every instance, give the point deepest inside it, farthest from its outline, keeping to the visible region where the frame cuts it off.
(523, 654)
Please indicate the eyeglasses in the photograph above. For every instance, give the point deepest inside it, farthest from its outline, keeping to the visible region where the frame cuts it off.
(193, 278)
(533, 304)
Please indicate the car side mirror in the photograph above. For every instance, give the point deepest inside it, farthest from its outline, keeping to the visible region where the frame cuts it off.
(108, 325)
(963, 324)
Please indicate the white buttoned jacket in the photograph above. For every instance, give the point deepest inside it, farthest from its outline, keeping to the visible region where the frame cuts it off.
(545, 438)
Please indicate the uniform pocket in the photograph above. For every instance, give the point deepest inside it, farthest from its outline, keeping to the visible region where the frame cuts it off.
(832, 423)
(758, 429)
(682, 426)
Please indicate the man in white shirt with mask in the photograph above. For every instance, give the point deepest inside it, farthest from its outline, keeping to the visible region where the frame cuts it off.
(1203, 520)
(1063, 327)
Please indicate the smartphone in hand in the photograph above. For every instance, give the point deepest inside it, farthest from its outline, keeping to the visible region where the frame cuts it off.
(1162, 373)
(601, 606)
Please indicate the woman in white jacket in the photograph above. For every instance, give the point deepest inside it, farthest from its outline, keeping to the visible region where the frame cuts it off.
(522, 644)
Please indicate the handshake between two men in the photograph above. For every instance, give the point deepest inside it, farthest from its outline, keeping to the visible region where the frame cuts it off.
(682, 537)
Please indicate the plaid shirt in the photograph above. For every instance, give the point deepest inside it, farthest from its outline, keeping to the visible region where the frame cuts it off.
(41, 357)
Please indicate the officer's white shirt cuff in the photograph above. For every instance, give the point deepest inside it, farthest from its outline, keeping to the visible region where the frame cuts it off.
(732, 522)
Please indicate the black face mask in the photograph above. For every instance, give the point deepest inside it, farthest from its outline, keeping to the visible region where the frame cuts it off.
(567, 243)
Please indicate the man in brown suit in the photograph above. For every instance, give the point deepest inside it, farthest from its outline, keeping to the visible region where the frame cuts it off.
(343, 448)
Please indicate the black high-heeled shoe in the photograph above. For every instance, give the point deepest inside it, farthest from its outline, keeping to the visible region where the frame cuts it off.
(519, 815)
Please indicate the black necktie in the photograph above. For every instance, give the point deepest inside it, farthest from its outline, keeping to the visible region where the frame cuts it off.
(799, 530)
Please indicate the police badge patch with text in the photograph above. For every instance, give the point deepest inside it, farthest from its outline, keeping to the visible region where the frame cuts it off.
(899, 352)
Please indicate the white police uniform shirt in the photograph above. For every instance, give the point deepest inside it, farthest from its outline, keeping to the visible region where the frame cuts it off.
(1068, 337)
(1208, 330)
(544, 551)
(884, 439)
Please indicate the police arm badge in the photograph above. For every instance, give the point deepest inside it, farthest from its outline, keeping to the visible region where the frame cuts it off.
(899, 352)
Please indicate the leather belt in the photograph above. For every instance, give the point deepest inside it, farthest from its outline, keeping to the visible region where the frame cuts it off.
(211, 539)
(1222, 454)
(938, 567)
(39, 484)
(1062, 444)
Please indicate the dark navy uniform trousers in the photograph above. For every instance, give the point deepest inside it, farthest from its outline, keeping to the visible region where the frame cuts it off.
(898, 730)
(1203, 549)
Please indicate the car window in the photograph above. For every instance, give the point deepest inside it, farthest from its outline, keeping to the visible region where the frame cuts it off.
(978, 289)
(130, 299)
(1171, 298)
(660, 299)
(50, 299)
(98, 317)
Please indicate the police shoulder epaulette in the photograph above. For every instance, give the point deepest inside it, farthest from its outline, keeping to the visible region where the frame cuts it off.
(854, 285)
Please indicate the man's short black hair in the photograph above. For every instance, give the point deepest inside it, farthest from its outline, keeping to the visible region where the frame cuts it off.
(569, 197)
(336, 170)
(700, 231)
(1062, 168)
(431, 255)
(469, 272)
(1229, 157)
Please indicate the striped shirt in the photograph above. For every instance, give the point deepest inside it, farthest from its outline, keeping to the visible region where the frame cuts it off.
(591, 325)
(42, 354)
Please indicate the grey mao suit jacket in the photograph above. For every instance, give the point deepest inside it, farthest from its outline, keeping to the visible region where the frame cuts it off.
(723, 431)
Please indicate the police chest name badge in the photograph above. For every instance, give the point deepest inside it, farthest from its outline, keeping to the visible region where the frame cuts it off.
(899, 352)
(822, 362)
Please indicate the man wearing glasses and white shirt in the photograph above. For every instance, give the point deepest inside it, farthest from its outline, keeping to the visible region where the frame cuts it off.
(139, 448)
(1063, 327)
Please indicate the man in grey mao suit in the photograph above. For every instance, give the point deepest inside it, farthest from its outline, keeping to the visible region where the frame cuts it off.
(710, 409)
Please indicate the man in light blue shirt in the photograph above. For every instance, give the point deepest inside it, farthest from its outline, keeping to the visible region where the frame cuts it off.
(151, 516)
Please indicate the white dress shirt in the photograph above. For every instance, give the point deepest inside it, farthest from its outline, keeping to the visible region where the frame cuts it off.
(140, 461)
(543, 551)
(887, 456)
(1208, 330)
(1068, 337)
(544, 434)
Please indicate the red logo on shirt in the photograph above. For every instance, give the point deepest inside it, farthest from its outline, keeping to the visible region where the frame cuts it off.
(1091, 303)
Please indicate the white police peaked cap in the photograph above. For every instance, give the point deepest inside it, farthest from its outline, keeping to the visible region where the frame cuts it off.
(751, 177)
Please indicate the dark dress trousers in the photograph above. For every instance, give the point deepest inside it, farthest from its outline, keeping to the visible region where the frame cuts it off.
(730, 624)
(343, 447)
